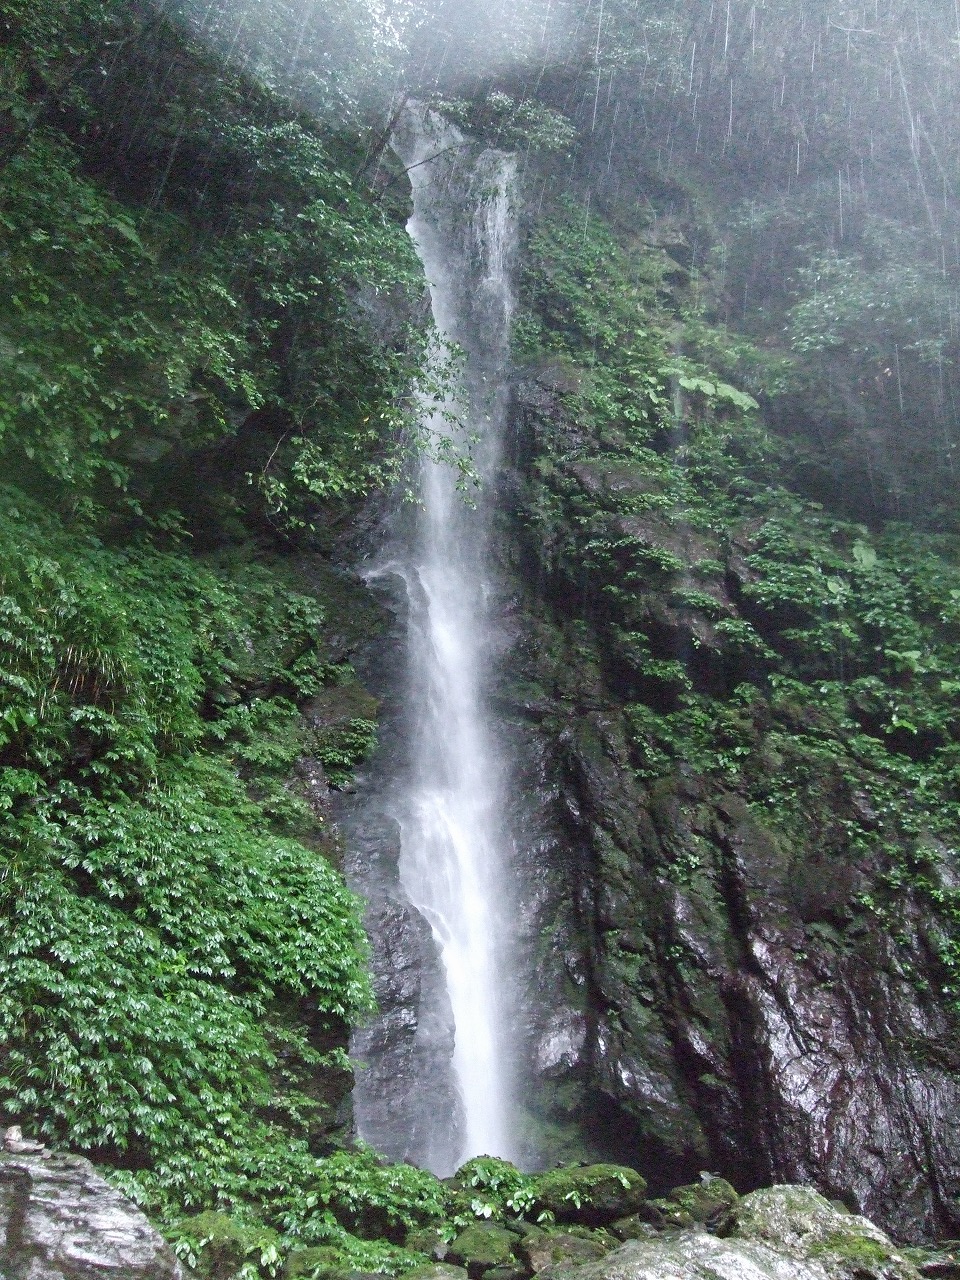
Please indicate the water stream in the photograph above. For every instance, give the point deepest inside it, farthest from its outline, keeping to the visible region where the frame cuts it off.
(449, 800)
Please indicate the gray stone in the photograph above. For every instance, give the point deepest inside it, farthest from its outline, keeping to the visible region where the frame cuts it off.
(693, 1255)
(438, 1271)
(799, 1222)
(59, 1220)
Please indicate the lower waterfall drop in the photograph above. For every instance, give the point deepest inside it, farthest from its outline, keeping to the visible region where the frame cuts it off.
(450, 798)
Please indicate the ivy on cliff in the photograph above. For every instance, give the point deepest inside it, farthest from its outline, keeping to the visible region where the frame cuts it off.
(157, 915)
(173, 286)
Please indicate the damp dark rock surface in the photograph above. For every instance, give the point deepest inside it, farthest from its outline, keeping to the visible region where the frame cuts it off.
(716, 988)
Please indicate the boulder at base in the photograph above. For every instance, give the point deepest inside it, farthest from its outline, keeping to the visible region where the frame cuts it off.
(59, 1220)
(595, 1194)
(782, 1233)
(691, 1255)
(800, 1222)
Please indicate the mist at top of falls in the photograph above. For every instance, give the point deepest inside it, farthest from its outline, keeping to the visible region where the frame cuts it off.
(774, 91)
(337, 58)
(821, 135)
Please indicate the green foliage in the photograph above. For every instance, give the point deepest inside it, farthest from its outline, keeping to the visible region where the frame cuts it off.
(496, 1188)
(341, 61)
(214, 1245)
(102, 351)
(136, 335)
(157, 918)
(881, 305)
(504, 122)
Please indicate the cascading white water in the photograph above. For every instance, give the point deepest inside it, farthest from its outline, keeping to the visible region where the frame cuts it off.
(455, 864)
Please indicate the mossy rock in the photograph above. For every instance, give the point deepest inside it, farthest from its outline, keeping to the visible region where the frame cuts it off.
(517, 1272)
(942, 1262)
(646, 1223)
(594, 1194)
(571, 1248)
(323, 1262)
(426, 1240)
(224, 1244)
(672, 1215)
(483, 1246)
(709, 1204)
(858, 1253)
(304, 1262)
(800, 1222)
(438, 1271)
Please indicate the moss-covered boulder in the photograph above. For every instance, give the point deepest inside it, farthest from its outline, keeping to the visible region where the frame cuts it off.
(709, 1204)
(595, 1194)
(222, 1245)
(427, 1240)
(546, 1248)
(518, 1272)
(437, 1271)
(690, 1255)
(799, 1222)
(325, 1263)
(322, 1263)
(304, 1262)
(647, 1222)
(483, 1246)
(939, 1263)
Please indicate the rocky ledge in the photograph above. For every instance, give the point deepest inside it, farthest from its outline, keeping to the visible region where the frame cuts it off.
(59, 1220)
(781, 1233)
(594, 1223)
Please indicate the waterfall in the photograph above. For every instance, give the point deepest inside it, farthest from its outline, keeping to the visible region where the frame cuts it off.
(449, 799)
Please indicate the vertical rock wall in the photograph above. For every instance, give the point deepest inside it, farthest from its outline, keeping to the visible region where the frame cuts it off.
(711, 994)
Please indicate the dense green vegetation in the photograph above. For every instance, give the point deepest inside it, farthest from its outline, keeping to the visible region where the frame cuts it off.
(196, 383)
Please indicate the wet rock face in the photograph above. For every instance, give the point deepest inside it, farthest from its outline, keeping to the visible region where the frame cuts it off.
(405, 1052)
(59, 1220)
(773, 1051)
(711, 994)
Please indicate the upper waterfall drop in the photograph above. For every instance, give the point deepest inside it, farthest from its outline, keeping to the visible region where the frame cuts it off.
(449, 789)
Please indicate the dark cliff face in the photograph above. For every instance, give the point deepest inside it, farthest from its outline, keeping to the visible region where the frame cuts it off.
(404, 1052)
(716, 985)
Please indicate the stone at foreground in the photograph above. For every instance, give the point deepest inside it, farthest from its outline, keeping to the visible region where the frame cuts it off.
(781, 1233)
(691, 1255)
(481, 1247)
(800, 1222)
(59, 1220)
